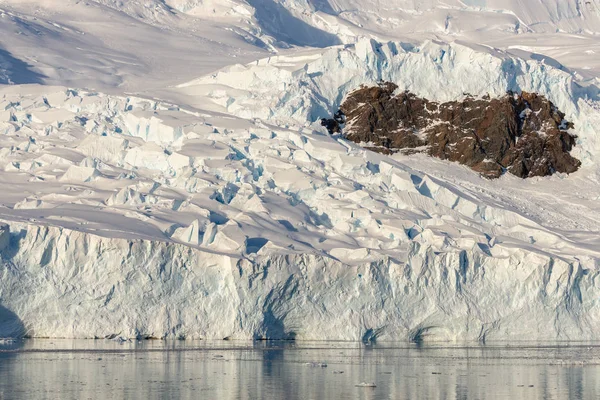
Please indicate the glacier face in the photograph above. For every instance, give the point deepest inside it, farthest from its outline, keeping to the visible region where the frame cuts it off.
(62, 283)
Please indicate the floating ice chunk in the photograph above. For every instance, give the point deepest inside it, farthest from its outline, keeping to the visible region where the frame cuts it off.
(366, 384)
(316, 365)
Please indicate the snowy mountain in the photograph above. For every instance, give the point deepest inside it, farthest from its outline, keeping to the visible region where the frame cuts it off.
(164, 173)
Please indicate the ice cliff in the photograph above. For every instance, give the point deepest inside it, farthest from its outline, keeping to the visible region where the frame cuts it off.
(62, 283)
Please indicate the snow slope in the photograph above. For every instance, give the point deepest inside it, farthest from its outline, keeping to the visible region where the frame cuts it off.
(87, 44)
(454, 16)
(172, 183)
(147, 46)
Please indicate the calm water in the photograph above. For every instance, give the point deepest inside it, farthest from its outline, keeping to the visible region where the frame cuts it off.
(92, 369)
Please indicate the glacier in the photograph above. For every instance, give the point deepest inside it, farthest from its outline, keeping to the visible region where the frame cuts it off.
(170, 181)
(145, 220)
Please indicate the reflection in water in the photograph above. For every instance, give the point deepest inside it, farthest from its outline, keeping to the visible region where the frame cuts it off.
(62, 369)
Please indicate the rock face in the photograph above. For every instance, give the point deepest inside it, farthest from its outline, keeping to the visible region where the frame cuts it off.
(524, 134)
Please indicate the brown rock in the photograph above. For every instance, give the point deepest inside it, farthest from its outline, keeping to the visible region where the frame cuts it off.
(524, 134)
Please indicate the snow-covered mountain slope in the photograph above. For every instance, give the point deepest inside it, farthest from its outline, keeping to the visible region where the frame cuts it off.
(145, 46)
(348, 18)
(173, 182)
(86, 44)
(455, 16)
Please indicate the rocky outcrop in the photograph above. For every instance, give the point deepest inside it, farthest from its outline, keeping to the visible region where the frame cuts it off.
(523, 134)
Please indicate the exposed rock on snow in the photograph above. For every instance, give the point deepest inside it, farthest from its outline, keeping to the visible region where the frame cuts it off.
(303, 89)
(524, 134)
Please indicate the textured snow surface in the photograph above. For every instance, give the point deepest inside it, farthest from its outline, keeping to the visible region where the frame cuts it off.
(320, 22)
(187, 191)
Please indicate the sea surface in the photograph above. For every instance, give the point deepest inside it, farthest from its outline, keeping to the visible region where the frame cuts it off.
(115, 369)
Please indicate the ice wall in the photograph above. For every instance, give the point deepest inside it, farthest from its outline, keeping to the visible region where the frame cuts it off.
(62, 283)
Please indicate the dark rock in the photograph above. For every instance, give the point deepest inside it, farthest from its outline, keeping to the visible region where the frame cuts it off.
(332, 125)
(524, 134)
